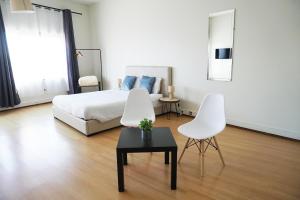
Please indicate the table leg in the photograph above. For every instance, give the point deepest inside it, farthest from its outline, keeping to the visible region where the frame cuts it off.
(167, 157)
(169, 111)
(165, 108)
(124, 158)
(176, 107)
(174, 169)
(120, 171)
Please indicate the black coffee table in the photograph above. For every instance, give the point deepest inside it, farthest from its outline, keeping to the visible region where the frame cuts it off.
(131, 141)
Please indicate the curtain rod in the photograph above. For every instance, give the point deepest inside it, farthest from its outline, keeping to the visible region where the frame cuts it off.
(57, 9)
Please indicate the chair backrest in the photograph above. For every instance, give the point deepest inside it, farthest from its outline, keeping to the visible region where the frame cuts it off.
(212, 112)
(138, 107)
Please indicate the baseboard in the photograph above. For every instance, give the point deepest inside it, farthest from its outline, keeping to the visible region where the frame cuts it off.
(30, 103)
(265, 129)
(254, 126)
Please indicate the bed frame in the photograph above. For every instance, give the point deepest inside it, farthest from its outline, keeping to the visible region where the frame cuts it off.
(89, 127)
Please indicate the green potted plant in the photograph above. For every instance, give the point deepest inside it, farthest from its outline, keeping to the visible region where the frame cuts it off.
(146, 126)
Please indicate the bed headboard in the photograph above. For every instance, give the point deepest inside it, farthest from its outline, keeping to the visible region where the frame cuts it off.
(157, 71)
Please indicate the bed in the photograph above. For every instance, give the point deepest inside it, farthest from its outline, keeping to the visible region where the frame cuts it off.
(94, 112)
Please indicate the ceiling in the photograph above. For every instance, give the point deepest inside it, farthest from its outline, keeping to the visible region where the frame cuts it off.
(85, 1)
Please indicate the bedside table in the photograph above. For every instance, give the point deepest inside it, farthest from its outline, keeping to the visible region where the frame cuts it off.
(167, 105)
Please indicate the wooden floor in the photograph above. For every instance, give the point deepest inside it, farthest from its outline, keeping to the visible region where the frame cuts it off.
(42, 158)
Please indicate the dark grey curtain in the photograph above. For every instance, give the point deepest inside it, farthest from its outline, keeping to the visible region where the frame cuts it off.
(73, 72)
(8, 94)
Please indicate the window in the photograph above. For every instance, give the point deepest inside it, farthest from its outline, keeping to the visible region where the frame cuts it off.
(37, 51)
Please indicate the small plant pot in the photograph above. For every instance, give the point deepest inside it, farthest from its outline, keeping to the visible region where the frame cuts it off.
(146, 135)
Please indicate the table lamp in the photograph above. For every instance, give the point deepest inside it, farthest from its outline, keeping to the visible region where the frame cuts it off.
(119, 81)
(171, 91)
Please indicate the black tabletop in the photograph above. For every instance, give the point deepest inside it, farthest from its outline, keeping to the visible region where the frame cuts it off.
(131, 139)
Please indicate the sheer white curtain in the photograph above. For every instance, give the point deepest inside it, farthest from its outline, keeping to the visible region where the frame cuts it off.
(37, 50)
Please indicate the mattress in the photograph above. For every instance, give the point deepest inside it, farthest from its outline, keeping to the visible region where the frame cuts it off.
(101, 105)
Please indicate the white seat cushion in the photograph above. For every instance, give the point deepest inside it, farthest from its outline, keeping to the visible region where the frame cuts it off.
(88, 81)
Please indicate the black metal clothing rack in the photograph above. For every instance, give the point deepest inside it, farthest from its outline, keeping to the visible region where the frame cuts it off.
(100, 57)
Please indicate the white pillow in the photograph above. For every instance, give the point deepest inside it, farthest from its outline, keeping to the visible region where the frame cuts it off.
(156, 86)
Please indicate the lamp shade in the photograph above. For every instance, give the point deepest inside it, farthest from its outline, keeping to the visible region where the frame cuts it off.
(171, 89)
(21, 6)
(119, 81)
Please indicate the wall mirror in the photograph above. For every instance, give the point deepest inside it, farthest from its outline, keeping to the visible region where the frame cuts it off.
(220, 45)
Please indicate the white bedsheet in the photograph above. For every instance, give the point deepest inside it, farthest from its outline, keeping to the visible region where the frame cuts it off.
(101, 105)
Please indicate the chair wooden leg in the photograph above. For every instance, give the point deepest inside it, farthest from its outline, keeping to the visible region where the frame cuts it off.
(185, 147)
(199, 147)
(202, 144)
(219, 151)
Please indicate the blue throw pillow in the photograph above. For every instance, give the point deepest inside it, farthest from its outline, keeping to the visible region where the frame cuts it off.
(128, 82)
(147, 82)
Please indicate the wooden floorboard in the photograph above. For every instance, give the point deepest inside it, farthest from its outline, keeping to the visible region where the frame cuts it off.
(43, 158)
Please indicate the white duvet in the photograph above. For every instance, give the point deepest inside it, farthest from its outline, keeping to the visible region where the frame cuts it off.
(101, 105)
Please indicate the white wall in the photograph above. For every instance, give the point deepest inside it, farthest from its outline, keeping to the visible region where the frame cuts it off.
(265, 91)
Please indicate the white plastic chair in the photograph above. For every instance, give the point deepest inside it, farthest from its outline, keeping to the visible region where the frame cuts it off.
(209, 121)
(138, 107)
